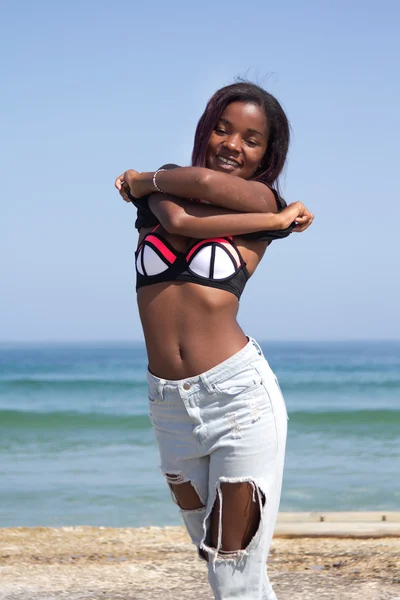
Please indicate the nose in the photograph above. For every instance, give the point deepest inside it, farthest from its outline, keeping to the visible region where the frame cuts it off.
(233, 142)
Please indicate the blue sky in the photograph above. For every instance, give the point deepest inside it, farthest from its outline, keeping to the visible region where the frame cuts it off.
(92, 88)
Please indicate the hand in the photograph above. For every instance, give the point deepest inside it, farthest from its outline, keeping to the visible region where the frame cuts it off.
(300, 214)
(126, 183)
(304, 218)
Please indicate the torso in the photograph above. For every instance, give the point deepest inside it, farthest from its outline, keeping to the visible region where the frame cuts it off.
(190, 328)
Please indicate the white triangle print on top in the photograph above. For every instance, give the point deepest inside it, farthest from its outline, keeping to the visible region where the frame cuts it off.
(223, 265)
(152, 262)
(200, 264)
(139, 262)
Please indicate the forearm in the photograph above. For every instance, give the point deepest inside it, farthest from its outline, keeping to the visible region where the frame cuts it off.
(195, 220)
(217, 188)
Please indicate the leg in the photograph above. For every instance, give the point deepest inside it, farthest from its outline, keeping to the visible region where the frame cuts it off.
(240, 521)
(240, 517)
(246, 472)
(187, 479)
(192, 505)
(184, 492)
(186, 472)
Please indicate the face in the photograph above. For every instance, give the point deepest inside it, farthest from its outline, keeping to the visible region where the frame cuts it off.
(239, 141)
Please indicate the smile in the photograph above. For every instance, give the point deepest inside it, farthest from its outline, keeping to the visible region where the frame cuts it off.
(228, 161)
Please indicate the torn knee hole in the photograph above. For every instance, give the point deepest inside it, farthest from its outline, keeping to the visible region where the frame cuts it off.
(235, 517)
(184, 492)
(176, 478)
(225, 554)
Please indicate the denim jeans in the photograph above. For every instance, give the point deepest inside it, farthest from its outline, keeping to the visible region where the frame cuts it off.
(228, 424)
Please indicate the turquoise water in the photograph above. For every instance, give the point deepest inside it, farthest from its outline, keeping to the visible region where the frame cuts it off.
(76, 445)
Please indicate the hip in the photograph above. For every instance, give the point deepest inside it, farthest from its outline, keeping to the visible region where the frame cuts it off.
(242, 381)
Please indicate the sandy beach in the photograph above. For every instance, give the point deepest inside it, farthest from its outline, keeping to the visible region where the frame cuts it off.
(89, 563)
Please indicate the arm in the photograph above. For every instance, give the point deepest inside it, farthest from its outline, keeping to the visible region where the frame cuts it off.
(194, 220)
(220, 189)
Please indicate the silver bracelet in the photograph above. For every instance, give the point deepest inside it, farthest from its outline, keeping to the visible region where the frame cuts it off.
(155, 183)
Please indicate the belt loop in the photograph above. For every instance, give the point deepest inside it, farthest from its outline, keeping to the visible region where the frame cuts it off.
(160, 388)
(209, 386)
(257, 346)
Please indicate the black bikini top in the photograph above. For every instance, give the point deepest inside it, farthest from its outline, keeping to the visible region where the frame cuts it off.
(213, 263)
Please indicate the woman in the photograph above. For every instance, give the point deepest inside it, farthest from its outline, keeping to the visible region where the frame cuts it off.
(217, 410)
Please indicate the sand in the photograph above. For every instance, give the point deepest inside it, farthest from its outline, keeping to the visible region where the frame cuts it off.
(82, 563)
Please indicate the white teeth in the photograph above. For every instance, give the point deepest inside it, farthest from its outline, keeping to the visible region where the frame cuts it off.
(227, 161)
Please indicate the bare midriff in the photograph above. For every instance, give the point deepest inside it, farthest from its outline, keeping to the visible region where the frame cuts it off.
(190, 328)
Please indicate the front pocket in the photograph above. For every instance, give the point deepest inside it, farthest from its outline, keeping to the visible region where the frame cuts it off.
(154, 396)
(244, 381)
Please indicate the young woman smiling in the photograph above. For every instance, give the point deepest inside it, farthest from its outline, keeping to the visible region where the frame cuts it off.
(218, 413)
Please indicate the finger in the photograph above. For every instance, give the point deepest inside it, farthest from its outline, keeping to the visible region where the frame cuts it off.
(301, 223)
(124, 186)
(125, 196)
(123, 192)
(300, 228)
(119, 181)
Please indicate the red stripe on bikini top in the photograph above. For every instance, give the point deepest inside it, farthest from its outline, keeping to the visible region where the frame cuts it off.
(171, 257)
(165, 251)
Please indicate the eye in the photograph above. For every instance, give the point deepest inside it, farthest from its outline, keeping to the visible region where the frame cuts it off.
(219, 131)
(252, 143)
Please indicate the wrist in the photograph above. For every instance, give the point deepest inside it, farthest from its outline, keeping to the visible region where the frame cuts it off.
(145, 184)
(288, 215)
(275, 221)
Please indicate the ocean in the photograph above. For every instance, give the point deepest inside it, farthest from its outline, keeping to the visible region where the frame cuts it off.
(77, 448)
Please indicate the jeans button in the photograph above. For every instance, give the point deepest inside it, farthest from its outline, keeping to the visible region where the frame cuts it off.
(186, 386)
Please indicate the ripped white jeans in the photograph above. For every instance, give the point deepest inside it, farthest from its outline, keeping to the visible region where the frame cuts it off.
(228, 424)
